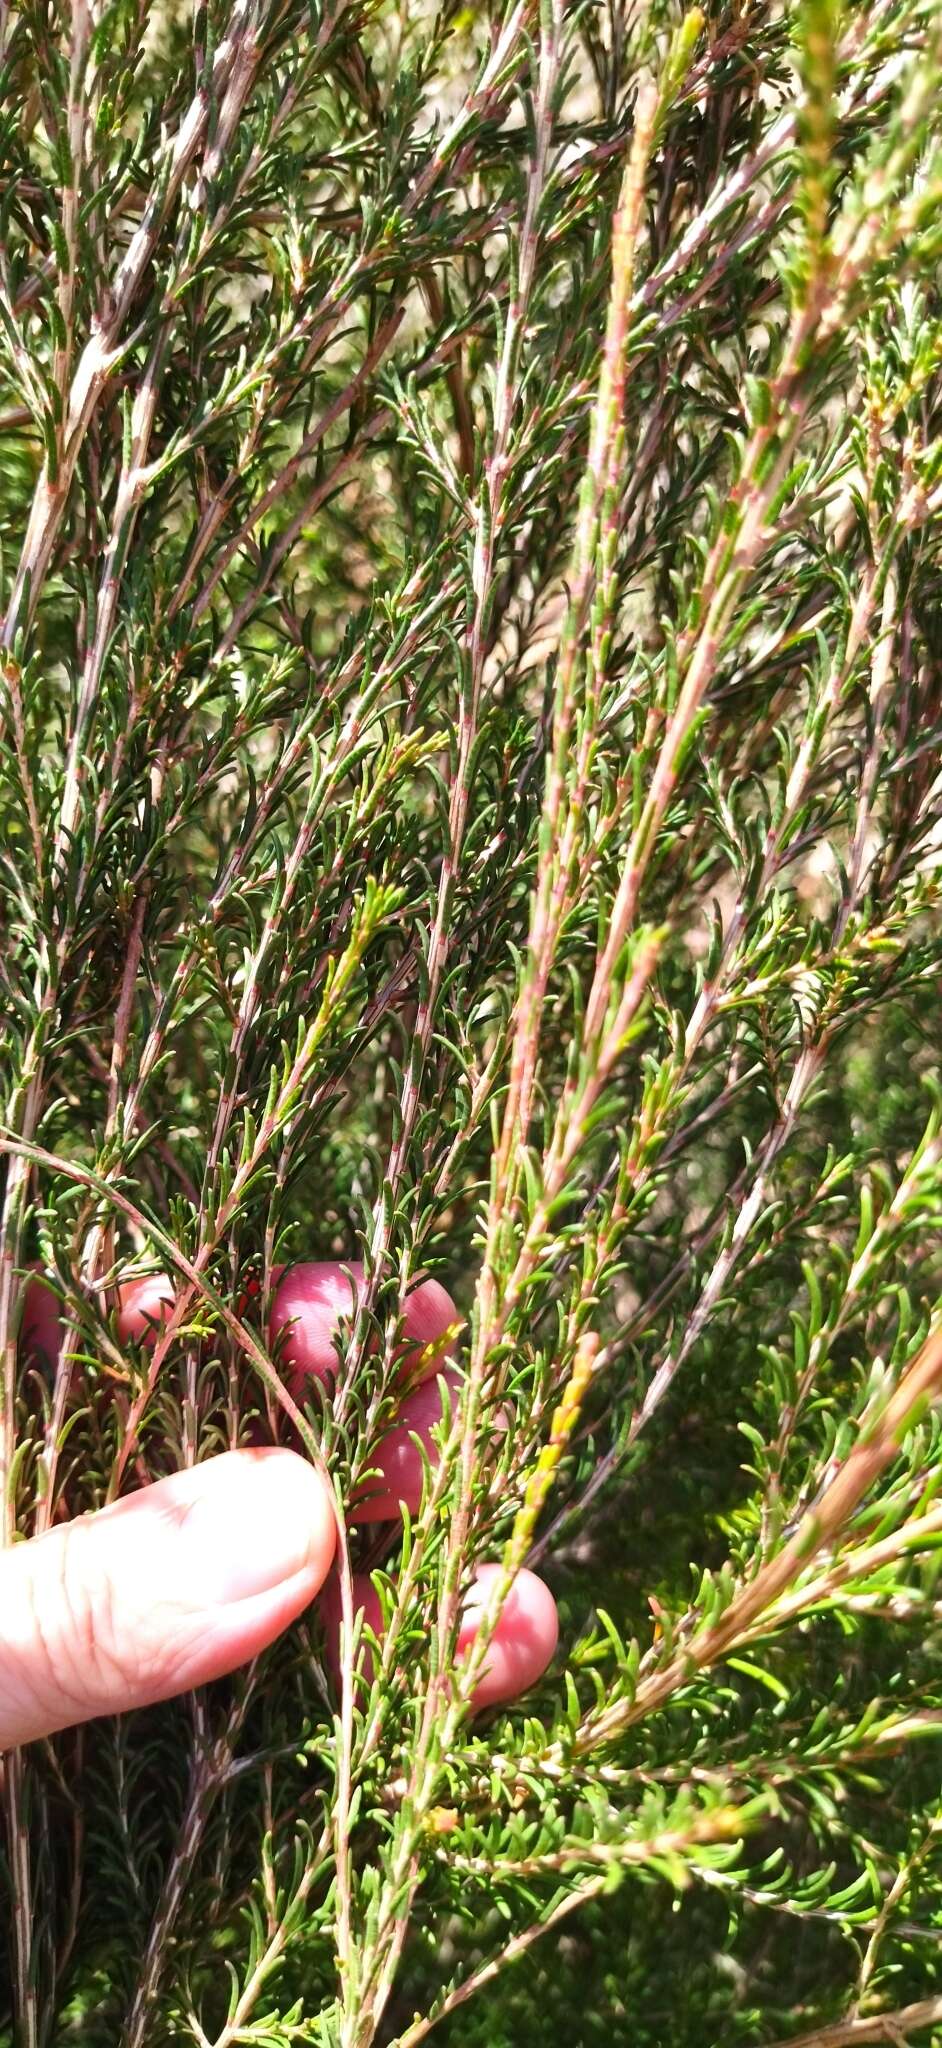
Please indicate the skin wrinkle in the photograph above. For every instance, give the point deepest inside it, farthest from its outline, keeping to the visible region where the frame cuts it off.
(77, 1619)
(36, 1678)
(107, 1619)
(24, 1692)
(72, 1621)
(85, 1618)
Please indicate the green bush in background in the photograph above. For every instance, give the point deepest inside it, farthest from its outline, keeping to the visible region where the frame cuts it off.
(471, 706)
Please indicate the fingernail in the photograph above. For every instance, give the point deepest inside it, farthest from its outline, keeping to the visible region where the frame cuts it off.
(257, 1519)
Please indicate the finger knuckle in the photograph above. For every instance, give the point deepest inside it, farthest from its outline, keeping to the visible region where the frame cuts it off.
(92, 1646)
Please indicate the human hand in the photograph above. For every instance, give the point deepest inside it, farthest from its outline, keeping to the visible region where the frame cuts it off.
(164, 1590)
(188, 1578)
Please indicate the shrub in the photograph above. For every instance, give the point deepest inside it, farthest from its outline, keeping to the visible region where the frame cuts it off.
(470, 799)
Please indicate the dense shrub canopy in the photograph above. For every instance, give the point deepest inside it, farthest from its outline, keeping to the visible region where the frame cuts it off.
(470, 802)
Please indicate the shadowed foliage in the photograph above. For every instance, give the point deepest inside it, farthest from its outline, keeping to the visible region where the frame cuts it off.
(470, 713)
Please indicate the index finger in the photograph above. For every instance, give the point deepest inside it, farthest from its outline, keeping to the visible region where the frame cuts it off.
(311, 1299)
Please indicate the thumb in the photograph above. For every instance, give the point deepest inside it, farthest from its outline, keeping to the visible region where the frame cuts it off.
(162, 1591)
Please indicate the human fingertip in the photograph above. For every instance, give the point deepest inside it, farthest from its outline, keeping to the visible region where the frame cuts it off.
(521, 1648)
(308, 1302)
(142, 1306)
(397, 1467)
(256, 1519)
(431, 1325)
(524, 1640)
(41, 1322)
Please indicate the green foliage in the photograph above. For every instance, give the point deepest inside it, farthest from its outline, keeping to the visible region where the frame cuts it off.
(469, 797)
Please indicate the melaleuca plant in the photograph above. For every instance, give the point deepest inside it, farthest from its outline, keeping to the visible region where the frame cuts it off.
(471, 706)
